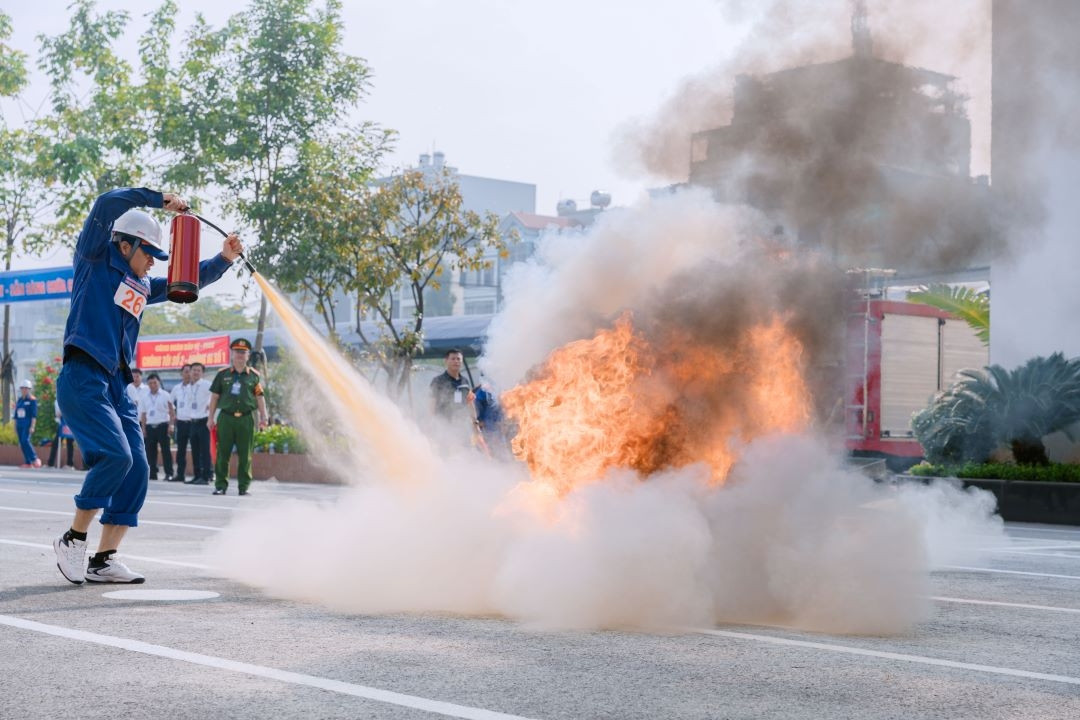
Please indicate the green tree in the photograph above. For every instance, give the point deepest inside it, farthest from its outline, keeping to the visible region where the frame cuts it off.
(414, 233)
(24, 198)
(322, 213)
(45, 374)
(964, 303)
(994, 407)
(206, 315)
(253, 93)
(99, 133)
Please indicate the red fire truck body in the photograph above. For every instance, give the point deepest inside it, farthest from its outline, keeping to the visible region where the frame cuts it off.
(898, 355)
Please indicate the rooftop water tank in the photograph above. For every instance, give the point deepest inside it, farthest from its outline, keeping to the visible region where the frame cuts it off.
(565, 207)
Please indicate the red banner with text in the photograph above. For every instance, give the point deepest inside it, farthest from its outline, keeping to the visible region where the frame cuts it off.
(173, 354)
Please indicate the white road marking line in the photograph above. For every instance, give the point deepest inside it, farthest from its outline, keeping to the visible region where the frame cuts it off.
(345, 688)
(967, 601)
(148, 501)
(140, 558)
(1052, 531)
(1049, 555)
(158, 487)
(964, 568)
(1026, 548)
(69, 513)
(889, 655)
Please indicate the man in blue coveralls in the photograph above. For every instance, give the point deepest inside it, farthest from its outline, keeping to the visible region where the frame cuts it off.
(117, 247)
(25, 421)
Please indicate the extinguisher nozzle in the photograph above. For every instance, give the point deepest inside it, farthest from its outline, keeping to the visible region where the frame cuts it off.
(247, 264)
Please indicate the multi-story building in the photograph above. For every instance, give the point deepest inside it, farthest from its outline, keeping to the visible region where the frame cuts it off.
(469, 292)
(863, 157)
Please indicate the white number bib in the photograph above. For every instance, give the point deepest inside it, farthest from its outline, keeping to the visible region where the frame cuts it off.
(130, 299)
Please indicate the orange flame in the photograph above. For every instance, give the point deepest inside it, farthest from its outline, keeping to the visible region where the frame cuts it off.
(615, 401)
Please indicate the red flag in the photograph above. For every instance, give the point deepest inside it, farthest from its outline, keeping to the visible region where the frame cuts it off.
(213, 444)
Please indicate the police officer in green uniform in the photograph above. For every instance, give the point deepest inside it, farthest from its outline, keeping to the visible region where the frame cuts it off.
(238, 393)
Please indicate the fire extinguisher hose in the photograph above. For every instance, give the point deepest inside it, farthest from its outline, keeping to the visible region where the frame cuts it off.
(247, 263)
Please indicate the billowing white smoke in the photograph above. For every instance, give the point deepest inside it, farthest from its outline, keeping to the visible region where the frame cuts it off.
(793, 538)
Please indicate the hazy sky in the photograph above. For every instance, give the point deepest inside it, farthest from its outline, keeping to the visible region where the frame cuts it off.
(520, 90)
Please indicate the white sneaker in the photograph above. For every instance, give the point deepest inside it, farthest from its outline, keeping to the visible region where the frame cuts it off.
(71, 558)
(114, 571)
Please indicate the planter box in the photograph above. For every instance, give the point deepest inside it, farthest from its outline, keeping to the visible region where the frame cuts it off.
(1027, 500)
(290, 467)
(12, 455)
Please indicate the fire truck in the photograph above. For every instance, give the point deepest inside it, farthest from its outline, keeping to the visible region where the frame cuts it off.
(898, 355)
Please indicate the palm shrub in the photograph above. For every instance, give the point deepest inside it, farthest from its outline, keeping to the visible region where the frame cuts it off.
(991, 407)
(971, 306)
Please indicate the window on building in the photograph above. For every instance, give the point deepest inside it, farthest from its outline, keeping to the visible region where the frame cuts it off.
(479, 307)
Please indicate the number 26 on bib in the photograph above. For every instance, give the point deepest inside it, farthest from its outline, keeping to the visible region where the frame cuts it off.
(130, 299)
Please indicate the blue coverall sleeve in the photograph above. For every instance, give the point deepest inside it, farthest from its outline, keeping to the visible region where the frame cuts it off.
(209, 271)
(94, 238)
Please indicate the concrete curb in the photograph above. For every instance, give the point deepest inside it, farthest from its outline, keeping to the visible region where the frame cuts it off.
(1026, 500)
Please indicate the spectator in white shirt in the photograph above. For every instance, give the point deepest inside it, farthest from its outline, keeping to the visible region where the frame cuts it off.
(135, 389)
(157, 416)
(200, 432)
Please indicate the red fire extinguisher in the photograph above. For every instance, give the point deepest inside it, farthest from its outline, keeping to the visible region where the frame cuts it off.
(184, 259)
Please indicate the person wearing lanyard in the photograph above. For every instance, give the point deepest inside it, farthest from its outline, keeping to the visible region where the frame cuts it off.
(25, 422)
(237, 392)
(182, 399)
(157, 416)
(114, 254)
(200, 434)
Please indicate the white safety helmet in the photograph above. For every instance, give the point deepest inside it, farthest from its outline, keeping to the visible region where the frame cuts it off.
(139, 224)
(26, 384)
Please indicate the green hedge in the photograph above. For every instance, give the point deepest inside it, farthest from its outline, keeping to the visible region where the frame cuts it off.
(1057, 472)
(281, 436)
(7, 434)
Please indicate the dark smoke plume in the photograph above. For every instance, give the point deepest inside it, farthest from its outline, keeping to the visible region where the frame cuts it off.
(838, 134)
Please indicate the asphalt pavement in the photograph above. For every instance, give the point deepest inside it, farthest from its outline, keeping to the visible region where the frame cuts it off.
(1003, 640)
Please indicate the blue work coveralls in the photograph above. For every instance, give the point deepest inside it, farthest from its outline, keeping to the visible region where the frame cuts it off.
(25, 412)
(99, 349)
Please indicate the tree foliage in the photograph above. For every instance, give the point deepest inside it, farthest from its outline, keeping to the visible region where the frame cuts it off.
(970, 306)
(415, 232)
(12, 61)
(255, 92)
(24, 198)
(321, 215)
(206, 315)
(99, 133)
(994, 407)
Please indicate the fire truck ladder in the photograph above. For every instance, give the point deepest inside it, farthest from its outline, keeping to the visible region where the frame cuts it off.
(874, 284)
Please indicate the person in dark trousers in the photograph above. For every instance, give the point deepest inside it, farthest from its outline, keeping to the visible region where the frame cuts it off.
(200, 432)
(63, 435)
(237, 392)
(26, 407)
(114, 253)
(158, 417)
(183, 400)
